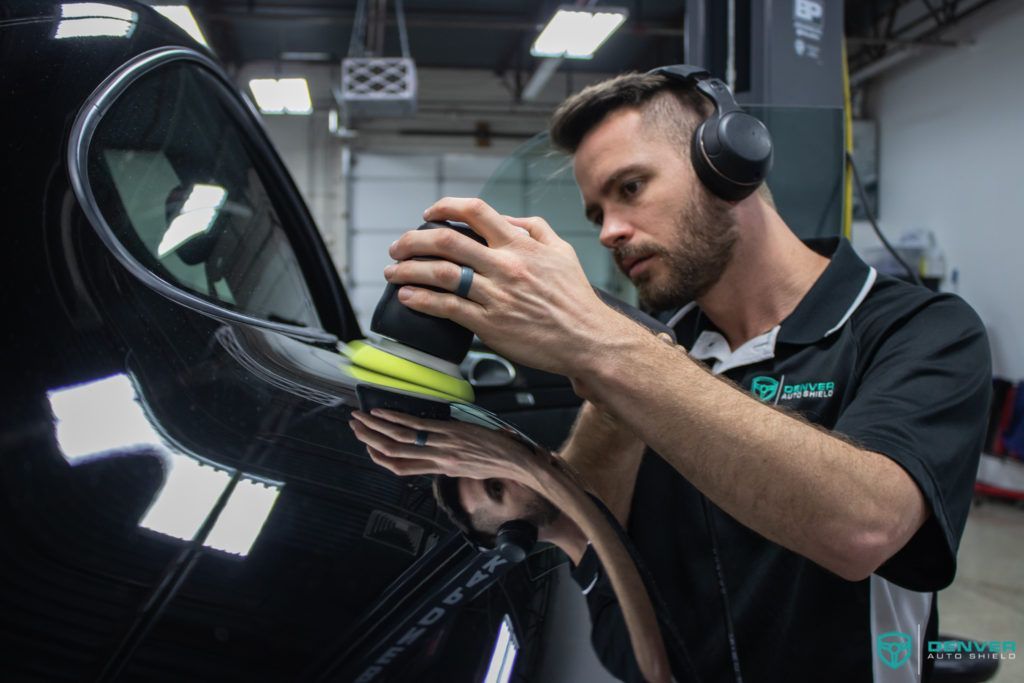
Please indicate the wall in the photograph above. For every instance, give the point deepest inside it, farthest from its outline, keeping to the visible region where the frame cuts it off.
(314, 159)
(950, 151)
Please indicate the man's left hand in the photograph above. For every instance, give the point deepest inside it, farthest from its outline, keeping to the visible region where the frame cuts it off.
(529, 300)
(448, 447)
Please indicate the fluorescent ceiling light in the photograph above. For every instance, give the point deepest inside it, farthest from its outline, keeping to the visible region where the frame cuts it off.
(183, 17)
(95, 19)
(504, 656)
(196, 216)
(282, 96)
(243, 516)
(101, 417)
(576, 33)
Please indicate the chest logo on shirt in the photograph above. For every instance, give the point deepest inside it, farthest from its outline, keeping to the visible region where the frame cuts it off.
(771, 390)
(765, 388)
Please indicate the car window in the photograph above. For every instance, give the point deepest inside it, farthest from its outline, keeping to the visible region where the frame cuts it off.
(180, 188)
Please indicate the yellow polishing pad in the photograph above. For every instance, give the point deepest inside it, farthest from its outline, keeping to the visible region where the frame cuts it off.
(390, 367)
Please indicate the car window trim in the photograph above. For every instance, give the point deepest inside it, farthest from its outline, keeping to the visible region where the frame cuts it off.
(88, 119)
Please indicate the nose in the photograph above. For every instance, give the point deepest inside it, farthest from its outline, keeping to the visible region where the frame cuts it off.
(615, 231)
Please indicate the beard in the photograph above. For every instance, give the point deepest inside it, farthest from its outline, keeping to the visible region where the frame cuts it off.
(540, 512)
(704, 238)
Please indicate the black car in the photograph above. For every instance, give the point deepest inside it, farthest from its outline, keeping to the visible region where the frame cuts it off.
(182, 498)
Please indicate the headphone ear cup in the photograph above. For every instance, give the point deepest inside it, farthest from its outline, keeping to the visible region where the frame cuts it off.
(711, 179)
(515, 539)
(736, 154)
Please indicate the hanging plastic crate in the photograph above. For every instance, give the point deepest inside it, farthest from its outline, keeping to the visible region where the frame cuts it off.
(378, 87)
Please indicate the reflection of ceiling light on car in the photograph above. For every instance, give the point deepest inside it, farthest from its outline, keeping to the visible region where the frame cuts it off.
(183, 17)
(196, 216)
(505, 650)
(282, 95)
(101, 417)
(106, 417)
(91, 19)
(189, 492)
(246, 511)
(577, 34)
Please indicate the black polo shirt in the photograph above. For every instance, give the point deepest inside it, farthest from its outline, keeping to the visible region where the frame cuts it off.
(901, 371)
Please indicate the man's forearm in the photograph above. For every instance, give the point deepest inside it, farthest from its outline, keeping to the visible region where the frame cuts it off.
(558, 486)
(606, 455)
(795, 484)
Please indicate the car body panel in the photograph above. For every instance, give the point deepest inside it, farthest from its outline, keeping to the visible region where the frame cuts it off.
(136, 421)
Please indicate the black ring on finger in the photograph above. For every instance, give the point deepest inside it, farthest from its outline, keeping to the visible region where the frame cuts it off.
(421, 437)
(465, 282)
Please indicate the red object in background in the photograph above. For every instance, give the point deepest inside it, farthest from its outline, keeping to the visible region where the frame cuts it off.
(1005, 414)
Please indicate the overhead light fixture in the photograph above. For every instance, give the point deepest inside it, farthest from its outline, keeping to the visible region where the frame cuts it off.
(183, 17)
(195, 217)
(577, 33)
(282, 95)
(95, 19)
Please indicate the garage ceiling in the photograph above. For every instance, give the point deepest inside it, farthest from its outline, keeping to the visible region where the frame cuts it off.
(495, 35)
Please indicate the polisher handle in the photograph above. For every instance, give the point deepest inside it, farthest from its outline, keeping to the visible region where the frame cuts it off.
(435, 336)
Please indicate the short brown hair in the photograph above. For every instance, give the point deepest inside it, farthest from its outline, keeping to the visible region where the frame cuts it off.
(674, 107)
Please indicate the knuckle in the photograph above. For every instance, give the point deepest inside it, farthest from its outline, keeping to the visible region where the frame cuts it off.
(517, 271)
(446, 239)
(475, 206)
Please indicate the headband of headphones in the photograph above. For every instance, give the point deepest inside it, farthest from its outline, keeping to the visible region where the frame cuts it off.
(731, 150)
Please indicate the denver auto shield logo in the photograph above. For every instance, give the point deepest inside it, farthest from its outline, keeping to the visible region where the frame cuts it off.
(894, 648)
(771, 390)
(765, 388)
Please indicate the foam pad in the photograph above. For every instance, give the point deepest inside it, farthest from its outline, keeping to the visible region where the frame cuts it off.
(418, 377)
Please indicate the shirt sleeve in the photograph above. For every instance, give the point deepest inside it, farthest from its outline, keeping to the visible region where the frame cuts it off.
(608, 633)
(922, 401)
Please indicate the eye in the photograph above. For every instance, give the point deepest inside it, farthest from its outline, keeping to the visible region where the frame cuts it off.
(494, 489)
(597, 219)
(631, 188)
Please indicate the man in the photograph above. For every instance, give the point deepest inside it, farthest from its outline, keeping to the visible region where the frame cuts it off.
(832, 417)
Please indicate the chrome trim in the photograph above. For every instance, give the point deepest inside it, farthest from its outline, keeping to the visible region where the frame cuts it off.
(474, 358)
(89, 117)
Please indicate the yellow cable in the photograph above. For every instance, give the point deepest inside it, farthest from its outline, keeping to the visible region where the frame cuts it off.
(848, 149)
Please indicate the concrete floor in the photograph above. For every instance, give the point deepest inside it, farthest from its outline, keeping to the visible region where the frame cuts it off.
(986, 601)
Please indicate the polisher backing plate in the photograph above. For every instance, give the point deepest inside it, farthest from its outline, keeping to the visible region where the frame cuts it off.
(393, 367)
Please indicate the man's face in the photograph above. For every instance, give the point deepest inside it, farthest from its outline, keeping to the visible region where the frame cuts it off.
(492, 502)
(667, 233)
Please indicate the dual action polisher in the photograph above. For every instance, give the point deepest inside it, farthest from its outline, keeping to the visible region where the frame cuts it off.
(420, 353)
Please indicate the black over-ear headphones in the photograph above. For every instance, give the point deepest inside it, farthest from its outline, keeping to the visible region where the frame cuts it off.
(731, 150)
(515, 539)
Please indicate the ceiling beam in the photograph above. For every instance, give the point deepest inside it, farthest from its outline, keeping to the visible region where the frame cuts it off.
(262, 13)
